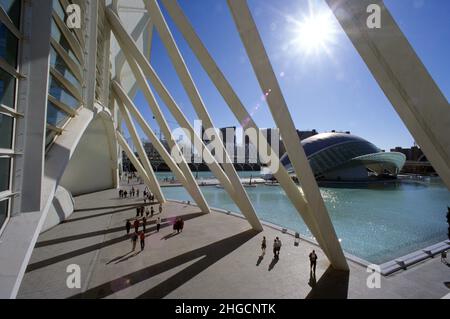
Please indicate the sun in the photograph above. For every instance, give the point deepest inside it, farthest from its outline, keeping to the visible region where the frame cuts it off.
(314, 34)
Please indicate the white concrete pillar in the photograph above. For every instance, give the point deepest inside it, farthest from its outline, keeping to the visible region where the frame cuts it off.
(235, 104)
(150, 174)
(164, 127)
(402, 77)
(190, 185)
(280, 112)
(132, 52)
(243, 201)
(137, 164)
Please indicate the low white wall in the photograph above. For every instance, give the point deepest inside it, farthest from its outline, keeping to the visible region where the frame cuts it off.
(61, 208)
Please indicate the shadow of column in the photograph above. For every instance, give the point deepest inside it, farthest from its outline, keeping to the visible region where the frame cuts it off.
(210, 253)
(332, 285)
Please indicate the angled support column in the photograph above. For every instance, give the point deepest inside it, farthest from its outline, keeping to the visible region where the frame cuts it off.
(134, 160)
(191, 186)
(188, 83)
(402, 77)
(241, 113)
(132, 52)
(280, 112)
(164, 126)
(150, 174)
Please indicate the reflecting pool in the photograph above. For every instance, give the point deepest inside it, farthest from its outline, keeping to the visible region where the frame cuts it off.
(377, 223)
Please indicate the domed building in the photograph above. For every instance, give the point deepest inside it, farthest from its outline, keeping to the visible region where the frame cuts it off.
(346, 157)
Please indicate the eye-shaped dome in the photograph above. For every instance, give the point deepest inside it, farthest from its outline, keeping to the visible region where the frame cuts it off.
(332, 152)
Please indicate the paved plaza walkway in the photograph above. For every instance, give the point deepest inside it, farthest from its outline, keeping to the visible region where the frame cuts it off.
(216, 256)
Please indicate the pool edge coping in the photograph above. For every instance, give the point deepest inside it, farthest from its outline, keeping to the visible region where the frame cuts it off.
(386, 269)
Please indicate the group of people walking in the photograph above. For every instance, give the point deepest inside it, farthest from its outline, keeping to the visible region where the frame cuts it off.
(141, 210)
(133, 192)
(276, 253)
(178, 225)
(276, 247)
(137, 234)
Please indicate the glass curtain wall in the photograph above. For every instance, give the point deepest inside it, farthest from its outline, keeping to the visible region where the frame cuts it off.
(10, 34)
(66, 73)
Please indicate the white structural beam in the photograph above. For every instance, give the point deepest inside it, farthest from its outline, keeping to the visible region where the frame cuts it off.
(153, 184)
(164, 127)
(280, 112)
(190, 184)
(402, 77)
(132, 52)
(243, 201)
(229, 95)
(134, 160)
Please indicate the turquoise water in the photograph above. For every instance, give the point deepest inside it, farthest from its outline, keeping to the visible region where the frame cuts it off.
(377, 224)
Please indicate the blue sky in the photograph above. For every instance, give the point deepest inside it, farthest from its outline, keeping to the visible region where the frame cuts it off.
(326, 91)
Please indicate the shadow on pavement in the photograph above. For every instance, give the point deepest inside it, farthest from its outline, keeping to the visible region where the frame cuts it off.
(332, 285)
(209, 255)
(88, 249)
(130, 206)
(273, 263)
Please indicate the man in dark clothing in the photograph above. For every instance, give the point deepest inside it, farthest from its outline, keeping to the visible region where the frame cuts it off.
(158, 224)
(144, 223)
(313, 262)
(136, 226)
(128, 227)
(142, 238)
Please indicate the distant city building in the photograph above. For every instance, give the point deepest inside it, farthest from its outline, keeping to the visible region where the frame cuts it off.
(303, 135)
(345, 157)
(416, 161)
(412, 154)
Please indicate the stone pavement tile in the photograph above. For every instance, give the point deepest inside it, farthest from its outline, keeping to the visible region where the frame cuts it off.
(216, 256)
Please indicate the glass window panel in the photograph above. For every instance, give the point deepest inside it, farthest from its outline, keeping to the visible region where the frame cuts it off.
(58, 63)
(12, 8)
(5, 165)
(8, 46)
(61, 94)
(59, 37)
(7, 89)
(6, 130)
(59, 10)
(55, 116)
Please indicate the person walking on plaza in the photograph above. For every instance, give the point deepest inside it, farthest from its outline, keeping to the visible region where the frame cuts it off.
(147, 212)
(279, 244)
(136, 226)
(152, 212)
(160, 209)
(313, 262)
(275, 248)
(264, 246)
(144, 223)
(142, 237)
(128, 227)
(134, 239)
(158, 224)
(138, 211)
(137, 192)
